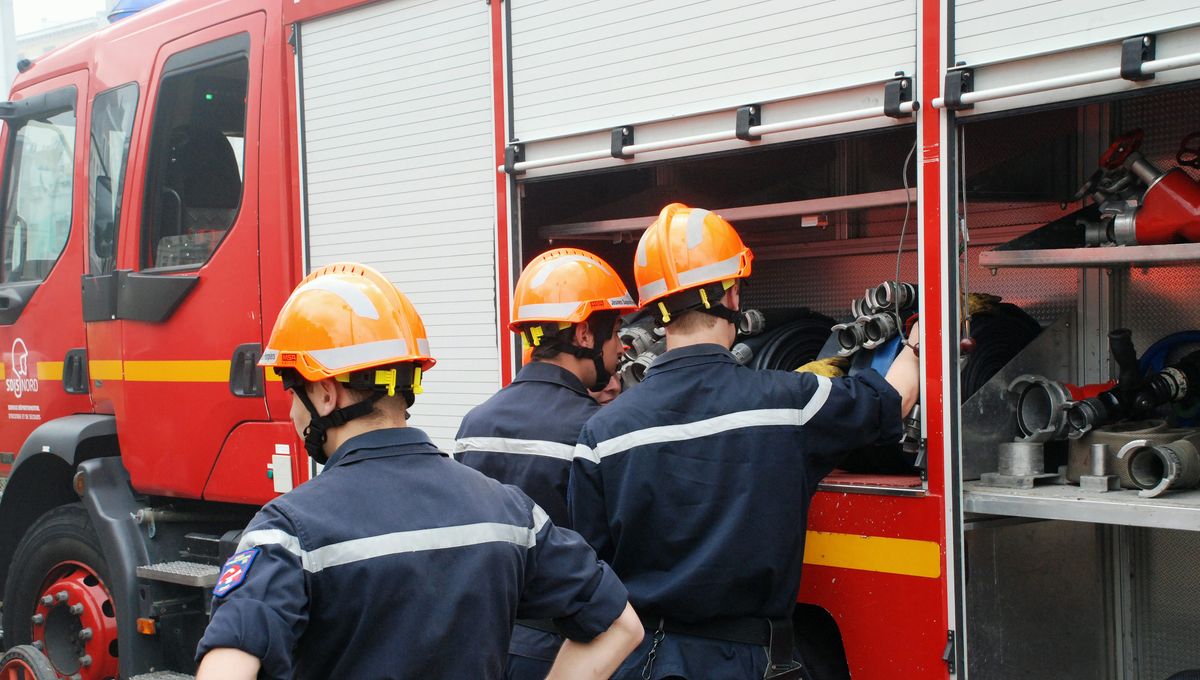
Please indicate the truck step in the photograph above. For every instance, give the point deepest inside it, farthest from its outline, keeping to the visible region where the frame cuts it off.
(163, 675)
(184, 573)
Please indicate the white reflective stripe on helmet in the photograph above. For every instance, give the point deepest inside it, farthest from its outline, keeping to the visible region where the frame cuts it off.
(652, 289)
(400, 542)
(711, 272)
(548, 310)
(338, 358)
(695, 227)
(359, 303)
(737, 420)
(549, 267)
(526, 447)
(422, 346)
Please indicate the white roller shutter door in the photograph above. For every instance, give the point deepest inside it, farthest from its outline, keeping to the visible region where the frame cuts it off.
(1037, 52)
(988, 31)
(674, 68)
(400, 176)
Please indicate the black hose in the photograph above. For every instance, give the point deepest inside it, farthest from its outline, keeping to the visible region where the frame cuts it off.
(793, 338)
(1000, 333)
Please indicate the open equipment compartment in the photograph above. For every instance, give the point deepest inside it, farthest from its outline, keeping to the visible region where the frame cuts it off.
(1061, 581)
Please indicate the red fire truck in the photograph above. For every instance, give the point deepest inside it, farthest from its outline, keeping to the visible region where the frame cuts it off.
(167, 180)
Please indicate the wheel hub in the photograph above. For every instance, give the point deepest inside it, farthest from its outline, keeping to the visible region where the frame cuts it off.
(75, 623)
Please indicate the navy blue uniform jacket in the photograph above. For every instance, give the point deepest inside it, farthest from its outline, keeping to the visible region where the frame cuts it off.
(525, 435)
(396, 562)
(695, 485)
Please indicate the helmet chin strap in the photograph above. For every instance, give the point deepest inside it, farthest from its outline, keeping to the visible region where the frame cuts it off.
(706, 299)
(316, 434)
(596, 354)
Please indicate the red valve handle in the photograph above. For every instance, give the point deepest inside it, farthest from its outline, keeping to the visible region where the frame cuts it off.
(1189, 156)
(1120, 149)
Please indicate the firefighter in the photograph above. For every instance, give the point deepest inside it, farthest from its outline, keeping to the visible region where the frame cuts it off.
(695, 484)
(566, 306)
(395, 561)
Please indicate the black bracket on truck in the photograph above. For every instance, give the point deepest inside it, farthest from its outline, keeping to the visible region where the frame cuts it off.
(619, 138)
(1135, 52)
(748, 117)
(513, 153)
(895, 93)
(958, 83)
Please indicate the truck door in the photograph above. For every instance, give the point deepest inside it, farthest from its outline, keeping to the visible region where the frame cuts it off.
(188, 298)
(43, 209)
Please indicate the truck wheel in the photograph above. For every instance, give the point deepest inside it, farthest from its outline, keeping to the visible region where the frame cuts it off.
(24, 662)
(56, 599)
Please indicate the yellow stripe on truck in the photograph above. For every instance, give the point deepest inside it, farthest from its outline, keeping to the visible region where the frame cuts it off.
(104, 369)
(177, 371)
(902, 556)
(49, 370)
(196, 370)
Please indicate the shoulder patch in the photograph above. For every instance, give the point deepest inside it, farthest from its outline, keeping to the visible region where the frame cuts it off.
(234, 572)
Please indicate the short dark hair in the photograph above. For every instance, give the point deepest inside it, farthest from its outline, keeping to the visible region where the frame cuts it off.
(600, 323)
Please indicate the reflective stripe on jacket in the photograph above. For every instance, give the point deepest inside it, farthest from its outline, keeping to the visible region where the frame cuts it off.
(396, 562)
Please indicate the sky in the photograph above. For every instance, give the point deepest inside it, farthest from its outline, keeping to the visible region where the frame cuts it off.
(30, 15)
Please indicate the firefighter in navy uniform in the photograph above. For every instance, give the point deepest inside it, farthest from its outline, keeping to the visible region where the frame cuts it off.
(567, 307)
(695, 485)
(394, 562)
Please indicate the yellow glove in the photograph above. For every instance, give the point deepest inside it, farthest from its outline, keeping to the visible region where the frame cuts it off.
(830, 367)
(981, 302)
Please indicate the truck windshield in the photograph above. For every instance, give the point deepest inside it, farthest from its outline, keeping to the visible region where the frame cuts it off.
(37, 208)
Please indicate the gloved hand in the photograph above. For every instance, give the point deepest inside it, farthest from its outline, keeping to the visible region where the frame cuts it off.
(830, 367)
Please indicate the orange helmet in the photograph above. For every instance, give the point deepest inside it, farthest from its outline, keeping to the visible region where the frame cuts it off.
(566, 285)
(684, 249)
(344, 318)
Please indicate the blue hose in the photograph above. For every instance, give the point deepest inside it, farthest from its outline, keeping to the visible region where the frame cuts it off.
(1154, 359)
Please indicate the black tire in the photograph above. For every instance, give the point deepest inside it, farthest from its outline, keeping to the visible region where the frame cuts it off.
(26, 663)
(61, 535)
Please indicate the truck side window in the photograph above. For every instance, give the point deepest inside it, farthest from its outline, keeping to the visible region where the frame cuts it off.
(112, 125)
(194, 182)
(37, 202)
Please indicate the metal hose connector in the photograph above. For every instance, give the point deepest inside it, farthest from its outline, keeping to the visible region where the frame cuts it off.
(850, 337)
(878, 329)
(638, 340)
(634, 371)
(1041, 408)
(752, 322)
(887, 296)
(1156, 468)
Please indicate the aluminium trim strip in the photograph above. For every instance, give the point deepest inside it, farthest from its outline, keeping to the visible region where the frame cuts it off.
(1062, 82)
(724, 136)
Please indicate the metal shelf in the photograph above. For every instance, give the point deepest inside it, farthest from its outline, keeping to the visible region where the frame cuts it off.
(1103, 256)
(1173, 510)
(1060, 244)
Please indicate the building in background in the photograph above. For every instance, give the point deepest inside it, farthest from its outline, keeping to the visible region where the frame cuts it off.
(45, 38)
